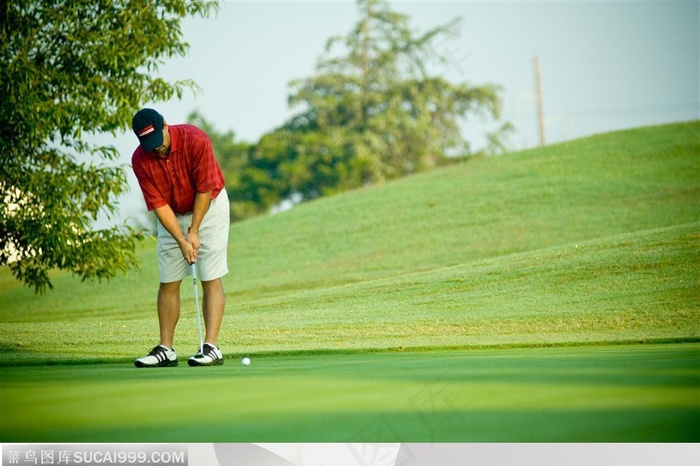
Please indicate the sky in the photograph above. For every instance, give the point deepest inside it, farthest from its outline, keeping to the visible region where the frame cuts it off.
(604, 65)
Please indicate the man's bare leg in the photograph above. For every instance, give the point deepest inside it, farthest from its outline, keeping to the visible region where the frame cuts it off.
(168, 311)
(213, 304)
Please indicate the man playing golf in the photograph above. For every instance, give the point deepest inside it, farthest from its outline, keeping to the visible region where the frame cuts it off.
(182, 182)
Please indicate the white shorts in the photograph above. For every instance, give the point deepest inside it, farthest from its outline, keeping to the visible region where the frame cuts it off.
(213, 238)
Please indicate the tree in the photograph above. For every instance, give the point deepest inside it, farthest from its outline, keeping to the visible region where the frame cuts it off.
(70, 69)
(234, 158)
(373, 111)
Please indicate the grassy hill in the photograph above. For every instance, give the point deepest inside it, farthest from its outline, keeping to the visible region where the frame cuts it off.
(589, 241)
(492, 301)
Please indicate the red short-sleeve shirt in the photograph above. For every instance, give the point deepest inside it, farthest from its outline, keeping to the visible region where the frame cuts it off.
(190, 168)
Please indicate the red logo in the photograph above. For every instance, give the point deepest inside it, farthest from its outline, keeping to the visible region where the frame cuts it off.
(147, 130)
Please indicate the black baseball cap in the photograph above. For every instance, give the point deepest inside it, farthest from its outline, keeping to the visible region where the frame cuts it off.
(148, 127)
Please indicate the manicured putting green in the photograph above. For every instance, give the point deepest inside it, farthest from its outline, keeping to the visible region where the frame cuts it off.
(640, 393)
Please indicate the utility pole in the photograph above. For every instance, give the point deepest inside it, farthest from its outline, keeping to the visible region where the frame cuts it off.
(538, 94)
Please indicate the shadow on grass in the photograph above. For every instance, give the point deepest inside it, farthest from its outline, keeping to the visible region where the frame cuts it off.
(17, 355)
(557, 425)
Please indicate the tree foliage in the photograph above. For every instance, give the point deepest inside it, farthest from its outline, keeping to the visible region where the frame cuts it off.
(373, 111)
(234, 159)
(70, 70)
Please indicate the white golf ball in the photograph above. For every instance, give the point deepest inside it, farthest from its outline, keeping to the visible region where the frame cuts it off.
(245, 361)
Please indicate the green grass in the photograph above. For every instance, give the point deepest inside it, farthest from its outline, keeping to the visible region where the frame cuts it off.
(575, 246)
(640, 393)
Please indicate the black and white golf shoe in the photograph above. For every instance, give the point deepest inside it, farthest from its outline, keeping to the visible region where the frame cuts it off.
(160, 356)
(211, 356)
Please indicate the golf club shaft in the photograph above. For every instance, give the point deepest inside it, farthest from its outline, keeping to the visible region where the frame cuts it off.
(196, 306)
